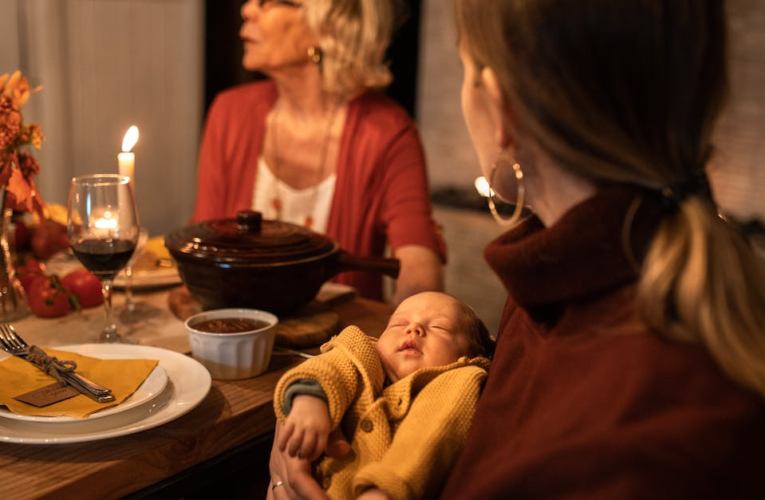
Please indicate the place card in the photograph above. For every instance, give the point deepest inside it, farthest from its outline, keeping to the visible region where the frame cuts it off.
(48, 395)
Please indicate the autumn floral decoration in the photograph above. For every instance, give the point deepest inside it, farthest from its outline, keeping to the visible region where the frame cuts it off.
(17, 165)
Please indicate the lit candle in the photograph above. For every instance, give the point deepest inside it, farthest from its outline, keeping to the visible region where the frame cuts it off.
(105, 226)
(126, 158)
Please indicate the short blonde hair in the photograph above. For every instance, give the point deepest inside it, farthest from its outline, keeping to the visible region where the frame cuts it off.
(354, 35)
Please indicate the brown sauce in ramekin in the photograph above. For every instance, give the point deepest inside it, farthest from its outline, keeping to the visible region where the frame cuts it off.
(230, 325)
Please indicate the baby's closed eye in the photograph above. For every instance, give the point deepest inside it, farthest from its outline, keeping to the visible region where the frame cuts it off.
(397, 323)
(440, 325)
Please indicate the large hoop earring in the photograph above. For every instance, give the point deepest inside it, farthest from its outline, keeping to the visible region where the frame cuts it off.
(503, 159)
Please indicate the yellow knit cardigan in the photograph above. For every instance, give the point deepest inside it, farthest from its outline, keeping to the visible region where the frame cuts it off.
(404, 438)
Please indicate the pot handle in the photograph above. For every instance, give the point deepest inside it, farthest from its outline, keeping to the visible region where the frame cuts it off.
(348, 262)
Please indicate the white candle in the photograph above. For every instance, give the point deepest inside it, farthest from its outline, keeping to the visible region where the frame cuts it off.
(126, 159)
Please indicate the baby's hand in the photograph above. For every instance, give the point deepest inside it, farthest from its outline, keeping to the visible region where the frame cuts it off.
(306, 428)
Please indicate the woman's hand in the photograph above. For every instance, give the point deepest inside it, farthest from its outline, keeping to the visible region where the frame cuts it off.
(291, 476)
(306, 428)
(421, 271)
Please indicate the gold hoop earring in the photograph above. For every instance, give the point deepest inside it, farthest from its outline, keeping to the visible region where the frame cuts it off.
(520, 195)
(316, 55)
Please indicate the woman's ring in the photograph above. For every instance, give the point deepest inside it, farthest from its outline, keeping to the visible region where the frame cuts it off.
(277, 484)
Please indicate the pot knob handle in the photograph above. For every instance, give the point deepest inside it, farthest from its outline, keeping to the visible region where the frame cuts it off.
(249, 221)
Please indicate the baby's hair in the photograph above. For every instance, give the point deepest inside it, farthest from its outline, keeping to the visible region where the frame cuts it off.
(481, 343)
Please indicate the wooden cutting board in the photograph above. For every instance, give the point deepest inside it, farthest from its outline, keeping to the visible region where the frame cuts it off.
(310, 326)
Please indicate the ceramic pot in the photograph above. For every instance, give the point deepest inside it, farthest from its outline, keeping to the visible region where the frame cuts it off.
(256, 263)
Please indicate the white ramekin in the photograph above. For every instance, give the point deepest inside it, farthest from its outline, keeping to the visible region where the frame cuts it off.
(230, 356)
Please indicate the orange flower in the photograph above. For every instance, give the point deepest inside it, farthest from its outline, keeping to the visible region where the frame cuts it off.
(16, 87)
(28, 165)
(10, 124)
(31, 134)
(17, 169)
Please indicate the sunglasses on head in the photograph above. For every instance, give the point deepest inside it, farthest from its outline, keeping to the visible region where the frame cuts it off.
(286, 3)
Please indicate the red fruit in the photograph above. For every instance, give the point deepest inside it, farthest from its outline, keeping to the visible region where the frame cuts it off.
(48, 298)
(49, 237)
(29, 279)
(85, 286)
(28, 271)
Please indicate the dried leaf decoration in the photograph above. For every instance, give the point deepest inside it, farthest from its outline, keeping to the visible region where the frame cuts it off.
(17, 166)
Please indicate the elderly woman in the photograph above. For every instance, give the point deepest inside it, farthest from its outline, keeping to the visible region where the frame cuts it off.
(316, 145)
(630, 361)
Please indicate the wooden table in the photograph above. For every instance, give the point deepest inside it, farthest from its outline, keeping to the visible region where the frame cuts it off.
(233, 414)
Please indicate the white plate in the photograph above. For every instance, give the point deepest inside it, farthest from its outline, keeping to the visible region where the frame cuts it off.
(150, 389)
(161, 276)
(188, 384)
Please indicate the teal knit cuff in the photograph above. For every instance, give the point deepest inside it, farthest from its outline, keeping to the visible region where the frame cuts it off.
(306, 386)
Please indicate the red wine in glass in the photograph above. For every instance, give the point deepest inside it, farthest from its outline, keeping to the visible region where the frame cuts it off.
(104, 257)
(102, 226)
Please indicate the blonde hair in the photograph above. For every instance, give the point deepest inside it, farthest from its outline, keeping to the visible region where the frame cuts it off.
(354, 35)
(629, 91)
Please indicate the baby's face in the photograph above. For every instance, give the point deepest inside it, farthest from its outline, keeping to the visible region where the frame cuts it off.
(426, 330)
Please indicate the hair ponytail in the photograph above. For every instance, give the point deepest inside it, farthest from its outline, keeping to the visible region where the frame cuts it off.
(702, 283)
(646, 119)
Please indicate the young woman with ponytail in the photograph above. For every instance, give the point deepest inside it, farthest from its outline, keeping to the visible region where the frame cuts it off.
(630, 361)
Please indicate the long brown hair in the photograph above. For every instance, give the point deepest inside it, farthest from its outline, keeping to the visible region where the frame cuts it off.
(629, 91)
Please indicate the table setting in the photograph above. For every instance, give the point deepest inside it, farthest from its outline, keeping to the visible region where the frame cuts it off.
(109, 333)
(171, 385)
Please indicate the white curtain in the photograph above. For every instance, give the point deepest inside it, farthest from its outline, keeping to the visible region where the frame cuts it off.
(105, 65)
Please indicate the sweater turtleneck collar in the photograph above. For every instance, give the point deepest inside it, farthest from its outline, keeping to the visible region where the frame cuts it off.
(581, 255)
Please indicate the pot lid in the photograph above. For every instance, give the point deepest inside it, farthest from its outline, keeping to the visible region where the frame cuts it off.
(248, 239)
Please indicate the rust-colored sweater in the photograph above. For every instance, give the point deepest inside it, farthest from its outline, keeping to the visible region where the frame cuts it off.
(582, 401)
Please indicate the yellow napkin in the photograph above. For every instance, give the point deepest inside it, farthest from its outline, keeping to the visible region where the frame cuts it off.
(154, 252)
(156, 245)
(122, 376)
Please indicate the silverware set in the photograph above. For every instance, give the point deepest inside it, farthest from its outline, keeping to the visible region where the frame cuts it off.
(13, 344)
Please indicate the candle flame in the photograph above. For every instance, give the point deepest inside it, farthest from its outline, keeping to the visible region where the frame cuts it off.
(106, 222)
(131, 137)
(482, 186)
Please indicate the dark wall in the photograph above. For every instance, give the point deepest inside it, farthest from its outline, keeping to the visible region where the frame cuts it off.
(223, 52)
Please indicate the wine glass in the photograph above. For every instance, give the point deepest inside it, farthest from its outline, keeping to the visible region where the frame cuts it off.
(135, 311)
(102, 225)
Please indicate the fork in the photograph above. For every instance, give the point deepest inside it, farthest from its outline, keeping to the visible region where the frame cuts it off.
(13, 344)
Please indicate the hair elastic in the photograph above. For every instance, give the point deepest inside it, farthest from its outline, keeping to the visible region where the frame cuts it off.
(697, 184)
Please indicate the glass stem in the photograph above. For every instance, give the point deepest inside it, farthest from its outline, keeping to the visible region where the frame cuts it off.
(109, 333)
(129, 304)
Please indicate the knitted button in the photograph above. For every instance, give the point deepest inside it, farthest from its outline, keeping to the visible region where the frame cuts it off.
(366, 425)
(326, 482)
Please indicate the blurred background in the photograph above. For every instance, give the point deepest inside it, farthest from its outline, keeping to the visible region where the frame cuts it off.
(109, 64)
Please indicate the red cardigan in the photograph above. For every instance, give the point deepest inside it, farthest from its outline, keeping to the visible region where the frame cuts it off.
(582, 400)
(381, 194)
